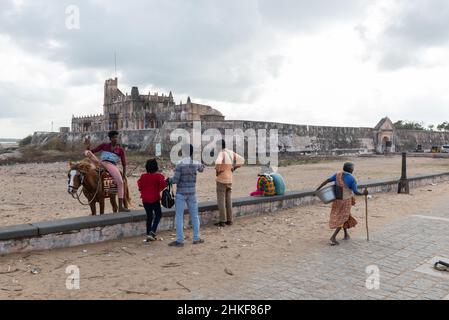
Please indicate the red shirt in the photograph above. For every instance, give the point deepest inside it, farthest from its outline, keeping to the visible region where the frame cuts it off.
(108, 147)
(150, 187)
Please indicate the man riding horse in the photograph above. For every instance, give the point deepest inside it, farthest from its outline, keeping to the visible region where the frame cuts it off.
(111, 154)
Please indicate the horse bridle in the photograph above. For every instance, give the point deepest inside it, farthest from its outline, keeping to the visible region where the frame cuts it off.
(81, 187)
(81, 180)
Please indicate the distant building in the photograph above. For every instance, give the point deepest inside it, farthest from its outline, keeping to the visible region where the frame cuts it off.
(138, 112)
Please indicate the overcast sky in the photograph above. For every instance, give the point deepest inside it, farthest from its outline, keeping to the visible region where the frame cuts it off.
(320, 62)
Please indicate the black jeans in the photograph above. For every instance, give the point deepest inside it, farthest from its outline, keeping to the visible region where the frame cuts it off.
(153, 210)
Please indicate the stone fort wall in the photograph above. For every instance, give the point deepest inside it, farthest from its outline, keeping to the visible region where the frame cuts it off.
(293, 139)
(408, 140)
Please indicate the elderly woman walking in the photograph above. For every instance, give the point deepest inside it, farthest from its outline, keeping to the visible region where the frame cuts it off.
(346, 187)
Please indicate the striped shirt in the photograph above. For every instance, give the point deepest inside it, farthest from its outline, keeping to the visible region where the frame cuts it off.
(185, 176)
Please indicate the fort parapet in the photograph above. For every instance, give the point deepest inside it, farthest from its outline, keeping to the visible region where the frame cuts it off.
(293, 139)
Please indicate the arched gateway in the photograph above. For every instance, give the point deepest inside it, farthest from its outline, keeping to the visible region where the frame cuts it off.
(384, 136)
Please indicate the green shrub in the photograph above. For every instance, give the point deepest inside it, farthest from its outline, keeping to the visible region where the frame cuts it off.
(55, 144)
(25, 142)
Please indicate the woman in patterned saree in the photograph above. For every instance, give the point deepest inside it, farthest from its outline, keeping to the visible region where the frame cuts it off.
(340, 217)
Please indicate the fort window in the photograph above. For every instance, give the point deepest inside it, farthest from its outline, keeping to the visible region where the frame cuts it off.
(86, 127)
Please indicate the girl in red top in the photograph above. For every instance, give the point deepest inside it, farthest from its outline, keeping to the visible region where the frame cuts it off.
(150, 186)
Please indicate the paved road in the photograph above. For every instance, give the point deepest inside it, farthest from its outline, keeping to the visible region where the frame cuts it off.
(401, 252)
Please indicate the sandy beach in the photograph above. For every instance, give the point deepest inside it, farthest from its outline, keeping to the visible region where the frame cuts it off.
(129, 269)
(38, 192)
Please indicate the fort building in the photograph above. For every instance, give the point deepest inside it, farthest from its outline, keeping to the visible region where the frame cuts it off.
(139, 112)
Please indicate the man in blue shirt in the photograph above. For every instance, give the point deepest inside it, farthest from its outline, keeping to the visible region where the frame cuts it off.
(340, 217)
(185, 179)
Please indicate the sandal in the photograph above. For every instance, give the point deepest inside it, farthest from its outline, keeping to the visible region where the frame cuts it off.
(333, 243)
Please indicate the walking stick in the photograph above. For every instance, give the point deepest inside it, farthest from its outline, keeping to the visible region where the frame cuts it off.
(366, 214)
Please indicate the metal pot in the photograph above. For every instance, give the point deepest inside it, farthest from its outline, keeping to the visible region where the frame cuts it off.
(327, 195)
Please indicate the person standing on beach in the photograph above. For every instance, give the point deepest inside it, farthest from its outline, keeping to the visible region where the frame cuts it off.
(340, 217)
(225, 165)
(150, 186)
(185, 179)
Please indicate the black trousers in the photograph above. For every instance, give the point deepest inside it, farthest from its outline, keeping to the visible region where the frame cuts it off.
(153, 210)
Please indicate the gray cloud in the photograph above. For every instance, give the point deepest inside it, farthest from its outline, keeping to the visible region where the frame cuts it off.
(422, 23)
(183, 45)
(18, 102)
(418, 26)
(212, 49)
(309, 14)
(209, 49)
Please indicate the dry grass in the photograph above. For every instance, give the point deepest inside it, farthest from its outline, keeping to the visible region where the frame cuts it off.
(31, 154)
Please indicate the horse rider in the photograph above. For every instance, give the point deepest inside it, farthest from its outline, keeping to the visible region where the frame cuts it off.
(111, 154)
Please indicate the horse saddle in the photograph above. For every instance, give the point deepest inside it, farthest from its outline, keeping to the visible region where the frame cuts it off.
(109, 184)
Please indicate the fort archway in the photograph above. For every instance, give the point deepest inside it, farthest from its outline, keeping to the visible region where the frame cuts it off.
(384, 136)
(386, 144)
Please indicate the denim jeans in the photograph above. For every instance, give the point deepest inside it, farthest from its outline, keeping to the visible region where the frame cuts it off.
(151, 208)
(192, 205)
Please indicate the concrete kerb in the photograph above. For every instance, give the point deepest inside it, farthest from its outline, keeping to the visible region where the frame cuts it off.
(18, 232)
(83, 230)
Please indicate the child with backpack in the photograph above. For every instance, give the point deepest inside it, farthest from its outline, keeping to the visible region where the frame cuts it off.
(150, 186)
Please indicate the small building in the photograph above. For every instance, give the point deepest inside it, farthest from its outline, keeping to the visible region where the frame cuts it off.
(384, 138)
